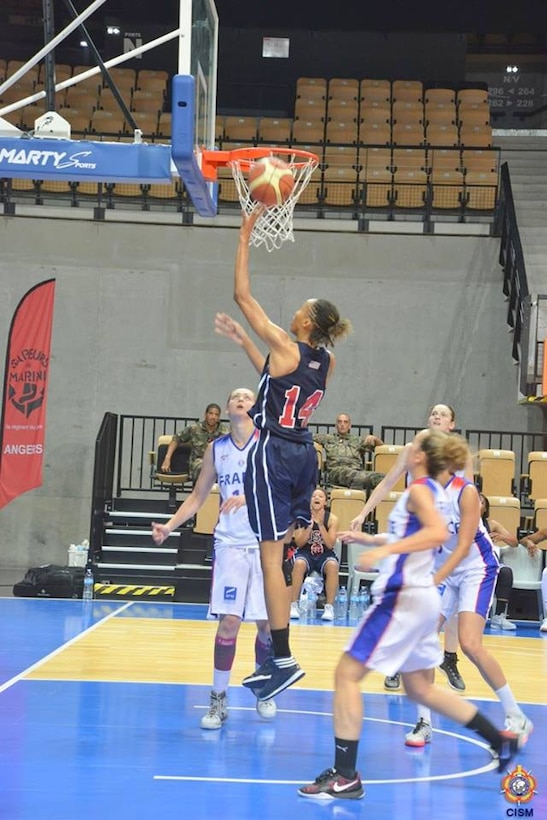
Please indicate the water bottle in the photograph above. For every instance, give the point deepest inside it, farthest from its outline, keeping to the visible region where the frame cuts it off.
(87, 594)
(342, 608)
(354, 608)
(364, 599)
(303, 605)
(312, 605)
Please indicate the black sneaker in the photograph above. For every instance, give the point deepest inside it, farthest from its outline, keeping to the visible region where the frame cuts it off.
(330, 785)
(450, 668)
(270, 679)
(392, 682)
(510, 745)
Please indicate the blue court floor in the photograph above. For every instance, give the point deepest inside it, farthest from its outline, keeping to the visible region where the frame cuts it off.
(75, 746)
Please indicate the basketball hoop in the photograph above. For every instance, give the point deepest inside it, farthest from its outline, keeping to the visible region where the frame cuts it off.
(275, 224)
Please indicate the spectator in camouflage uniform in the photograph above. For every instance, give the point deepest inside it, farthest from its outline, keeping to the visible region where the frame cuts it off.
(344, 456)
(196, 437)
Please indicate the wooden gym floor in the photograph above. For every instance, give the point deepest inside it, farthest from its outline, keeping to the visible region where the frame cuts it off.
(100, 706)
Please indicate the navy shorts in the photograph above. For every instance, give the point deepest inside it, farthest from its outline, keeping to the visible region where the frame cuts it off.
(279, 482)
(315, 563)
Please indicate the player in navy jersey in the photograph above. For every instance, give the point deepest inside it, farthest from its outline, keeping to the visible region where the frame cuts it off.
(282, 465)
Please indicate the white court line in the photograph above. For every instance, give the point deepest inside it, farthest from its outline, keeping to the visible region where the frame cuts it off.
(260, 781)
(75, 639)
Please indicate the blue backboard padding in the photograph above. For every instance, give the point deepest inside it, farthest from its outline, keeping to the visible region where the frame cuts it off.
(30, 158)
(182, 147)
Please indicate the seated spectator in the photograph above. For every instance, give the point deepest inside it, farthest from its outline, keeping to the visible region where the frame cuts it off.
(500, 538)
(344, 456)
(196, 437)
(315, 552)
(532, 542)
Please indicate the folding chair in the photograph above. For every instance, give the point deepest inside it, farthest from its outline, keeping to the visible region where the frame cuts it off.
(179, 474)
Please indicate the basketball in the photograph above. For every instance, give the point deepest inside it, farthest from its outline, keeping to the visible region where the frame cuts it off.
(270, 181)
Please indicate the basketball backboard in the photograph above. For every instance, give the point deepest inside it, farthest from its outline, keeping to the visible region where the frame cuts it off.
(194, 99)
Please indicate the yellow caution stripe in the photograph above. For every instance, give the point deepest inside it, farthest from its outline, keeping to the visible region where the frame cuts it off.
(134, 590)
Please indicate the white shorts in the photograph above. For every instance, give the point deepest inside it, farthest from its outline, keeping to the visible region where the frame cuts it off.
(237, 586)
(398, 633)
(469, 590)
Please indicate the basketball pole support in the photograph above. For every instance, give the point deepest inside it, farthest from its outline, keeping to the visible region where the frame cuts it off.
(84, 75)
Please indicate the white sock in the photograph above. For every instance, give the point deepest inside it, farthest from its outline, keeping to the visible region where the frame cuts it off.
(221, 680)
(507, 700)
(424, 713)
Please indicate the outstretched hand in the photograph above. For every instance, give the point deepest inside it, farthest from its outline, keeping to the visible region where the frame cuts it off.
(228, 327)
(248, 221)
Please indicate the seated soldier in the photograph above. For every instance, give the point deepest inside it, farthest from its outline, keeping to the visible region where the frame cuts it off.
(344, 456)
(196, 437)
(315, 552)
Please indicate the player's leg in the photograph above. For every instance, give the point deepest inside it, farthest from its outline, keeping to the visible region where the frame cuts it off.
(419, 688)
(343, 780)
(330, 574)
(224, 654)
(299, 571)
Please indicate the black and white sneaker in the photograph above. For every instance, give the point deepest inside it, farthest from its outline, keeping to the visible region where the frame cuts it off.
(274, 676)
(450, 668)
(330, 785)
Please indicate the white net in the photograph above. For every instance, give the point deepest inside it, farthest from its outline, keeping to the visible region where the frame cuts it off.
(275, 225)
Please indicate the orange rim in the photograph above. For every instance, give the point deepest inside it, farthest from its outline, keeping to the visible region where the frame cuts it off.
(212, 160)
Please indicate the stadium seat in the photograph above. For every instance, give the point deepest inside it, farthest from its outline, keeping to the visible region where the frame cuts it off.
(534, 482)
(411, 90)
(447, 189)
(409, 188)
(481, 190)
(179, 474)
(476, 136)
(341, 186)
(346, 504)
(385, 456)
(274, 129)
(310, 109)
(207, 515)
(240, 129)
(496, 472)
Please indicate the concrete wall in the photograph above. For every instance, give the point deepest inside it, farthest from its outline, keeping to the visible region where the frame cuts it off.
(133, 333)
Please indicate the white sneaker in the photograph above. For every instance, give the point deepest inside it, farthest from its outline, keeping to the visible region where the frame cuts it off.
(266, 709)
(218, 712)
(328, 613)
(543, 627)
(501, 622)
(420, 735)
(295, 612)
(519, 725)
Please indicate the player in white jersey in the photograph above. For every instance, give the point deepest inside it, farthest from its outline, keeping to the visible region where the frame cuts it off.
(237, 588)
(399, 630)
(440, 417)
(468, 567)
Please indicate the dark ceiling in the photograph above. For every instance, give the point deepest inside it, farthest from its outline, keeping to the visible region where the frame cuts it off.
(500, 16)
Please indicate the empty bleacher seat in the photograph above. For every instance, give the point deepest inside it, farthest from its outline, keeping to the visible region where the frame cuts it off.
(534, 482)
(346, 504)
(496, 472)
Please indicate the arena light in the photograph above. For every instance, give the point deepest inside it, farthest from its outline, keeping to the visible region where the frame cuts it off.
(511, 69)
(113, 30)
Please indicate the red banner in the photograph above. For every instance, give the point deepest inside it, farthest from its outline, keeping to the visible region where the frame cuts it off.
(26, 377)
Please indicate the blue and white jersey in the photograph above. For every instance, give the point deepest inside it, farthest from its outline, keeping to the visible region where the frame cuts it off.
(412, 569)
(285, 404)
(233, 528)
(481, 552)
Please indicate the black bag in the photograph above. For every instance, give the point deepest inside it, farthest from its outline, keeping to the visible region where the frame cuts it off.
(51, 581)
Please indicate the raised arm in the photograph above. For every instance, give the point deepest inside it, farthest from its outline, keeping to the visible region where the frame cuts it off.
(285, 354)
(191, 505)
(432, 533)
(383, 488)
(226, 326)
